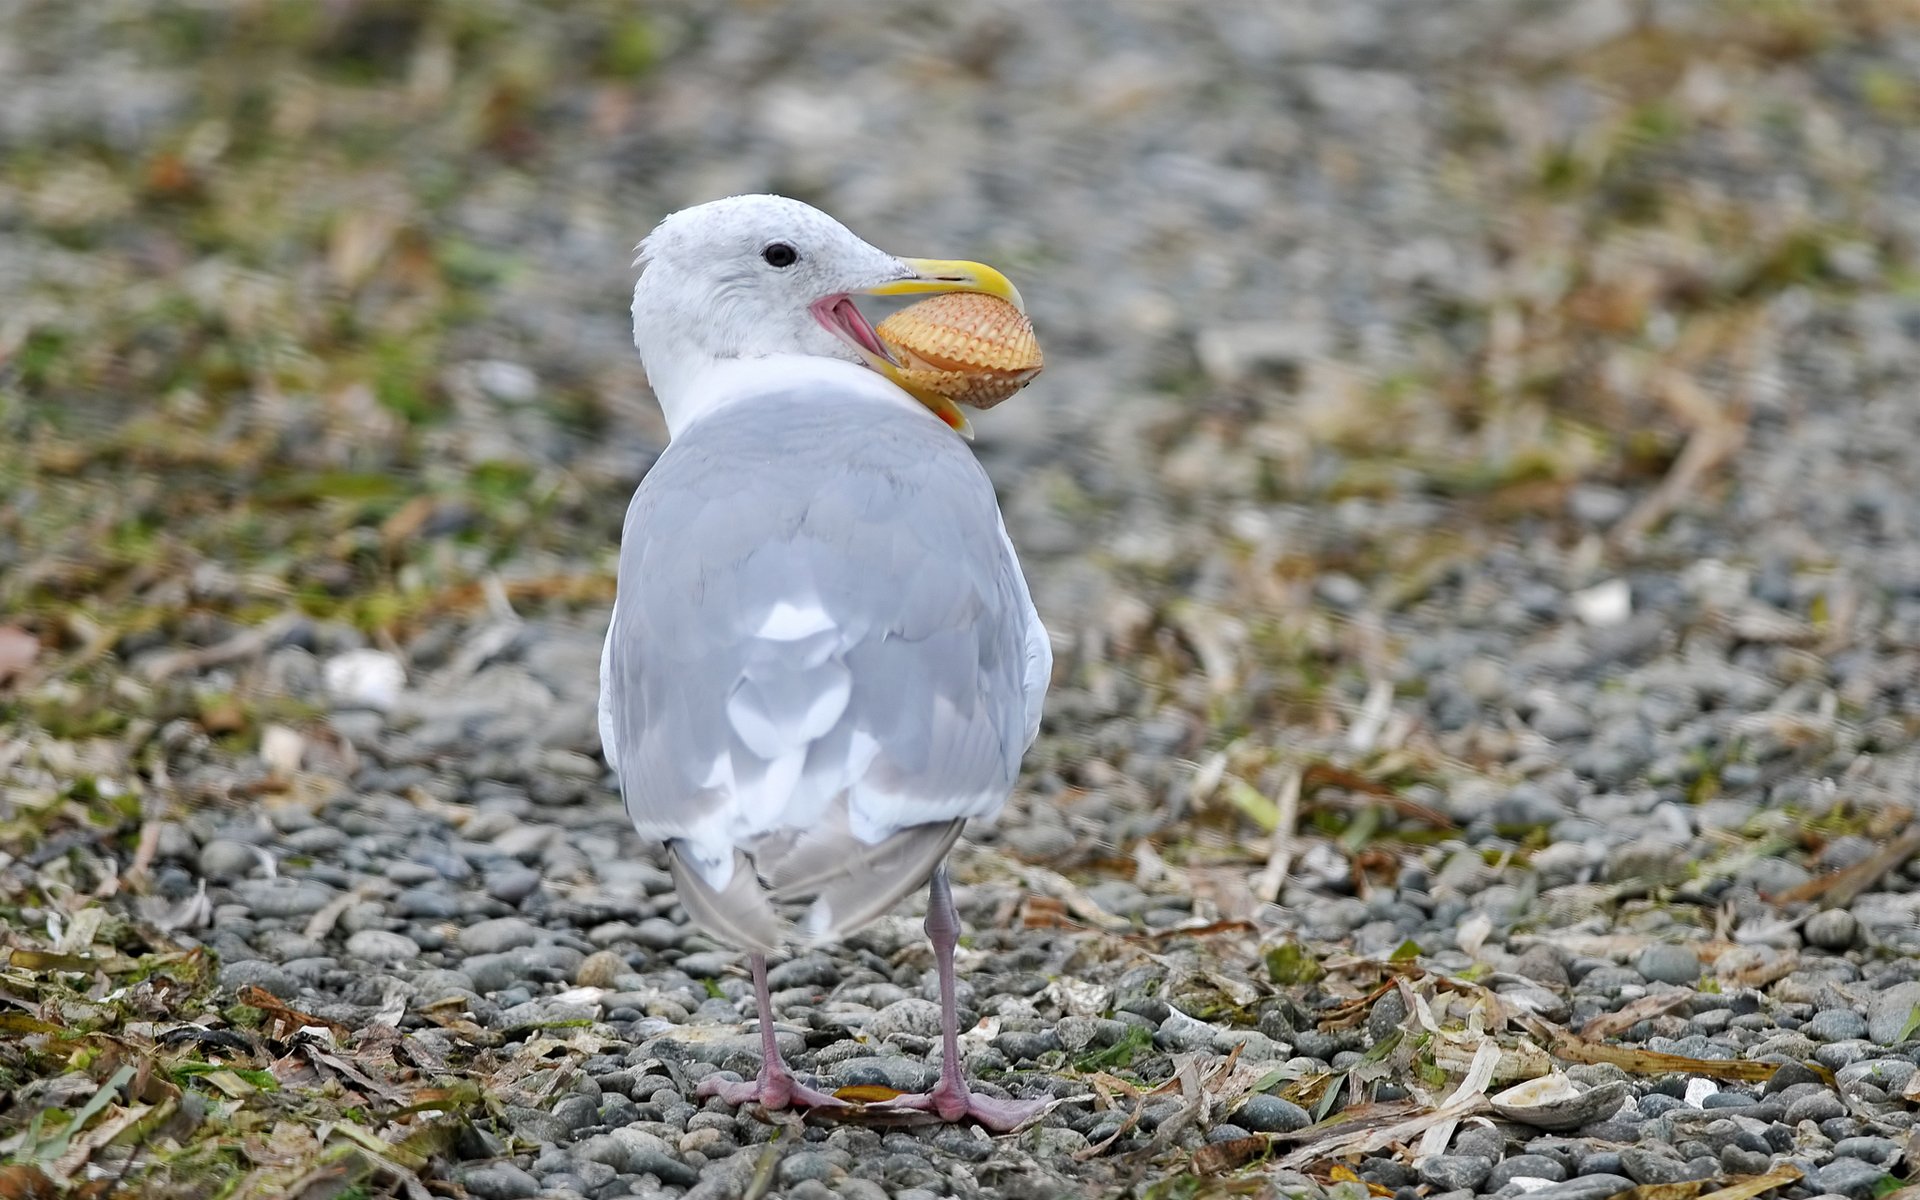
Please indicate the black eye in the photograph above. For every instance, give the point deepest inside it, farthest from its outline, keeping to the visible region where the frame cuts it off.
(780, 255)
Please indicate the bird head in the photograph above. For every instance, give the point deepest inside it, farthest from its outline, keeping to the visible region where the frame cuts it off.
(757, 276)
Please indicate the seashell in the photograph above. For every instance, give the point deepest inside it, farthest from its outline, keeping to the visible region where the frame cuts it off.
(968, 347)
(1555, 1102)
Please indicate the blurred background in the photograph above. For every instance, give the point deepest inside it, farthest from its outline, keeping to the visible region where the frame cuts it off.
(1479, 424)
(1385, 339)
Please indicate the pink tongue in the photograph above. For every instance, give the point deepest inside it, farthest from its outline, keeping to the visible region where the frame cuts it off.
(855, 323)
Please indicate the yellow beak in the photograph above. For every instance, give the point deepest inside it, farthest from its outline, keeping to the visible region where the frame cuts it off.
(951, 275)
(935, 275)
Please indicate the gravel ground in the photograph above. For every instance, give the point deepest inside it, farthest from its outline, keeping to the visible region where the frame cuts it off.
(1475, 495)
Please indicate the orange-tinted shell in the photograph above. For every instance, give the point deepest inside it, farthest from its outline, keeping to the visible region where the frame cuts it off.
(971, 348)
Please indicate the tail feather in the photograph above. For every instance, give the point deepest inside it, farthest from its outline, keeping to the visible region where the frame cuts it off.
(850, 882)
(739, 915)
(853, 883)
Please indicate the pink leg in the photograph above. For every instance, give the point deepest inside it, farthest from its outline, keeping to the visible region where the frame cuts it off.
(776, 1088)
(950, 1098)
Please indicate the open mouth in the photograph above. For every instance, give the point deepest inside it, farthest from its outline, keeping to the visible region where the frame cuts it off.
(846, 322)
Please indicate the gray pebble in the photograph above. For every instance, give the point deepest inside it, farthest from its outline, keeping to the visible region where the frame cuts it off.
(1270, 1114)
(283, 897)
(512, 884)
(806, 1164)
(1880, 1151)
(912, 1017)
(497, 1181)
(658, 933)
(1662, 962)
(1850, 1177)
(664, 1167)
(1832, 929)
(1835, 1025)
(1890, 1011)
(1818, 1107)
(379, 946)
(497, 935)
(222, 860)
(497, 972)
(1456, 1172)
(1644, 1166)
(1525, 1166)
(252, 972)
(1595, 1186)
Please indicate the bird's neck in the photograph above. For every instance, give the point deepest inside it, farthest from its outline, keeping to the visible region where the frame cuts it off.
(691, 387)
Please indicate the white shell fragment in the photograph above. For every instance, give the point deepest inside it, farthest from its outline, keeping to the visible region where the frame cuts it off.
(1603, 604)
(365, 679)
(1556, 1102)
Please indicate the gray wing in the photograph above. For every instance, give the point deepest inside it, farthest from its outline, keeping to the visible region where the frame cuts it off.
(822, 658)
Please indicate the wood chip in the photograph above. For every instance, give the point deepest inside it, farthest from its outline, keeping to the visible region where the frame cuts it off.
(1838, 889)
(1612, 1024)
(1575, 1048)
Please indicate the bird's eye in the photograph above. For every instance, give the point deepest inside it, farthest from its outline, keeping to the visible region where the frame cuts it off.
(780, 255)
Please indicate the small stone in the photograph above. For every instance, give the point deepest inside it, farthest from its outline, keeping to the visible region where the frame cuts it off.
(664, 1167)
(1850, 1177)
(658, 933)
(1818, 1107)
(222, 860)
(501, 933)
(1877, 1150)
(1891, 1011)
(379, 946)
(1791, 1074)
(1270, 1114)
(1050, 1141)
(1525, 1166)
(621, 1149)
(1832, 929)
(497, 1181)
(1026, 1047)
(252, 972)
(511, 885)
(1456, 1172)
(1665, 963)
(808, 1165)
(1587, 1187)
(600, 969)
(1835, 1025)
(283, 897)
(1644, 1166)
(807, 971)
(912, 1017)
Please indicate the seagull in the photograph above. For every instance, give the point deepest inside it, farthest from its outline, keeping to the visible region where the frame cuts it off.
(823, 657)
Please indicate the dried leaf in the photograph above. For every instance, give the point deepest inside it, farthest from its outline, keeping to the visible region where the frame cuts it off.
(54, 1150)
(1217, 1157)
(20, 1024)
(1454, 1052)
(1665, 1191)
(867, 1093)
(1608, 1025)
(1746, 1189)
(47, 960)
(1838, 889)
(1574, 1048)
(25, 1182)
(1474, 1086)
(285, 1017)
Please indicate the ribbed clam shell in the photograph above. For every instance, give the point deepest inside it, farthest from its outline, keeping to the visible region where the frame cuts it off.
(974, 349)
